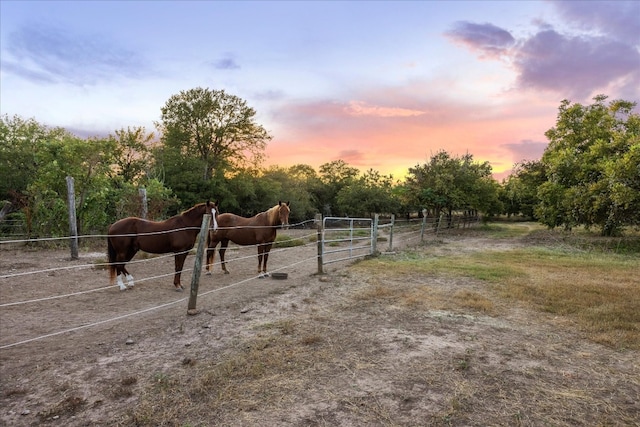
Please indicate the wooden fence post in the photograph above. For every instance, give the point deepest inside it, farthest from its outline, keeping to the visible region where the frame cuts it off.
(73, 225)
(393, 220)
(143, 201)
(424, 224)
(374, 234)
(197, 266)
(319, 234)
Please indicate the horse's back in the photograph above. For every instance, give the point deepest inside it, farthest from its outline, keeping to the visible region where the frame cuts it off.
(241, 230)
(149, 236)
(127, 225)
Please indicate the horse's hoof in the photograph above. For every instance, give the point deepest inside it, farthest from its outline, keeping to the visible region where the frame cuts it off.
(179, 289)
(208, 273)
(226, 272)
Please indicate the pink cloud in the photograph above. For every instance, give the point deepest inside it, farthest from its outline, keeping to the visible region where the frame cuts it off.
(491, 40)
(320, 132)
(360, 108)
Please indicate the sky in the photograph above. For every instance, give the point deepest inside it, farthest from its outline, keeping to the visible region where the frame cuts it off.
(381, 85)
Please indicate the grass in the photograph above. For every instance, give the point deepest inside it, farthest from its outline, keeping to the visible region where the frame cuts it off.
(597, 289)
(284, 241)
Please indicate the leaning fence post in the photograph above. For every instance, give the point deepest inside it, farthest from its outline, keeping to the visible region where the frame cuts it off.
(424, 224)
(393, 220)
(320, 234)
(374, 234)
(197, 266)
(73, 225)
(143, 202)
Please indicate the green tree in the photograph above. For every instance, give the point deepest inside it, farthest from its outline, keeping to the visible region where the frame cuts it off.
(592, 168)
(132, 153)
(447, 184)
(88, 162)
(216, 128)
(294, 185)
(367, 195)
(205, 135)
(519, 193)
(332, 178)
(21, 144)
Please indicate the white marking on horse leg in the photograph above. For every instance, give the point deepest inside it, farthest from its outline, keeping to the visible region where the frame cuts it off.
(121, 283)
(130, 281)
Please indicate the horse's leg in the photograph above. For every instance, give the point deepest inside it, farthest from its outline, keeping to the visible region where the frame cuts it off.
(260, 257)
(122, 271)
(266, 250)
(120, 282)
(131, 252)
(223, 249)
(211, 256)
(179, 264)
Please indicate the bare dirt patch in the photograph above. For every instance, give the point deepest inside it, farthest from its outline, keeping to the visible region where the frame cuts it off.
(347, 348)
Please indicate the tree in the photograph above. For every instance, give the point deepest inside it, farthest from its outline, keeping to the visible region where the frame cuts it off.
(21, 141)
(214, 127)
(367, 195)
(592, 167)
(333, 177)
(294, 185)
(519, 193)
(132, 153)
(446, 184)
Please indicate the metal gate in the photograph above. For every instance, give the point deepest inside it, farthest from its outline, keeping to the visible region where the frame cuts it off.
(341, 239)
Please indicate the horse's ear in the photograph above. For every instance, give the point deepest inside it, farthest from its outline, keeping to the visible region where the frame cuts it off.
(287, 203)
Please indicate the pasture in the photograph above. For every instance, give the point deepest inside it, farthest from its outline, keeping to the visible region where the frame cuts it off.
(506, 324)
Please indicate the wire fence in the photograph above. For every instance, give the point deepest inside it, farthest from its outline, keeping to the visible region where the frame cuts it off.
(83, 298)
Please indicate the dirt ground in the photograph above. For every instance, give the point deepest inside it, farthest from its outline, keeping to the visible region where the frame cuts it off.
(97, 353)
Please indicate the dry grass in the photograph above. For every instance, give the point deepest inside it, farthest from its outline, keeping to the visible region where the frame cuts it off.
(421, 338)
(597, 289)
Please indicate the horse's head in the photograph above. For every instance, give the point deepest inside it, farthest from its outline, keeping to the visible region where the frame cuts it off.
(283, 214)
(213, 208)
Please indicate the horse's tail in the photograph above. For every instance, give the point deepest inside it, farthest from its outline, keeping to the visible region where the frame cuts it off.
(111, 254)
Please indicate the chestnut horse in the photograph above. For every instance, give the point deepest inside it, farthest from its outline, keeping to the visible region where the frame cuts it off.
(258, 230)
(176, 234)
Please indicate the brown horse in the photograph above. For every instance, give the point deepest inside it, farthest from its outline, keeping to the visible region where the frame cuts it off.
(176, 234)
(258, 230)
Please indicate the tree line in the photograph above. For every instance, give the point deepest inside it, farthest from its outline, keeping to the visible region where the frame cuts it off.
(210, 147)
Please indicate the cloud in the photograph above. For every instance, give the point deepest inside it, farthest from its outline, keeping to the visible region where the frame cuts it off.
(526, 150)
(359, 108)
(492, 41)
(47, 54)
(578, 65)
(616, 19)
(352, 157)
(573, 65)
(225, 64)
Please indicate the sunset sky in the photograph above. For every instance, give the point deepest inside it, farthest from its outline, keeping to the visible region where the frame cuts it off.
(382, 85)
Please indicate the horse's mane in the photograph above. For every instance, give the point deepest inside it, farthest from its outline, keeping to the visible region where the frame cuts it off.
(272, 214)
(189, 211)
(192, 209)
